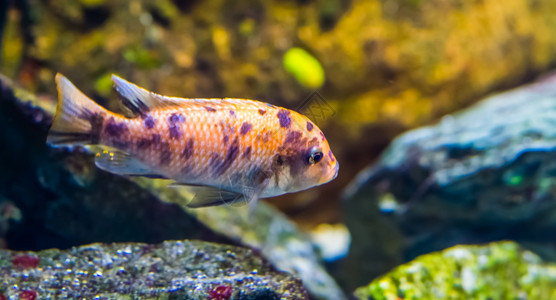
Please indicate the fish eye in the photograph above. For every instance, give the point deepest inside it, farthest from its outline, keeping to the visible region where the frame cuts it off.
(315, 156)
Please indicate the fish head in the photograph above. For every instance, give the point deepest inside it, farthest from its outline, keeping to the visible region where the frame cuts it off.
(305, 159)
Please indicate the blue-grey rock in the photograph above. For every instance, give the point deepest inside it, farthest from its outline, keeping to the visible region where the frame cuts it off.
(484, 174)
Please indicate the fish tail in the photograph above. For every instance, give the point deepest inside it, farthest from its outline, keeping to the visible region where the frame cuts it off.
(78, 119)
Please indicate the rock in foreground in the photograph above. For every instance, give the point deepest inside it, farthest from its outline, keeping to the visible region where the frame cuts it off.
(171, 270)
(496, 271)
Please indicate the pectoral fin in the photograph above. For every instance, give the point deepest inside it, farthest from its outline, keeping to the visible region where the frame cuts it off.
(212, 196)
(122, 163)
(209, 196)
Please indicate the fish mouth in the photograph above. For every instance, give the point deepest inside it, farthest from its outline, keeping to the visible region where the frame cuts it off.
(336, 168)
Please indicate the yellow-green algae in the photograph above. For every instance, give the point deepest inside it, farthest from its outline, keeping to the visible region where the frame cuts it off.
(304, 67)
(501, 270)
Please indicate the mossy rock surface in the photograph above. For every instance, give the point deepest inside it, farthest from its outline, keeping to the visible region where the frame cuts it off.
(501, 270)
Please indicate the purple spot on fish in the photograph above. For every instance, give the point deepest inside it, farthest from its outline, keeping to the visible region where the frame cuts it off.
(113, 128)
(220, 166)
(226, 139)
(175, 132)
(292, 137)
(247, 152)
(284, 117)
(156, 139)
(322, 136)
(175, 118)
(232, 113)
(147, 142)
(165, 154)
(309, 126)
(210, 109)
(149, 122)
(331, 156)
(188, 149)
(245, 127)
(214, 160)
(144, 143)
(262, 112)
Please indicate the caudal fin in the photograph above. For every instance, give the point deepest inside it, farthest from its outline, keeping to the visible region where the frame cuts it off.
(78, 119)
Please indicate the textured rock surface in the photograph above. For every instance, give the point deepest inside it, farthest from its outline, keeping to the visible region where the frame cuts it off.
(496, 271)
(171, 270)
(389, 65)
(65, 201)
(481, 175)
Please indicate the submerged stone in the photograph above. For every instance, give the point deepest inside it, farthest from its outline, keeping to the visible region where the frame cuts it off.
(500, 270)
(171, 270)
(481, 175)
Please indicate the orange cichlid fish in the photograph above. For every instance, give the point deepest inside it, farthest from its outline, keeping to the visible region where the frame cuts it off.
(231, 150)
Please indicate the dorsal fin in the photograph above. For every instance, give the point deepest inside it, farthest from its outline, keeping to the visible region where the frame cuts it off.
(139, 100)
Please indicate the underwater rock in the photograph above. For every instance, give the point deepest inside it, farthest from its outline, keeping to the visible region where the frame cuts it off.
(171, 270)
(500, 270)
(62, 200)
(481, 175)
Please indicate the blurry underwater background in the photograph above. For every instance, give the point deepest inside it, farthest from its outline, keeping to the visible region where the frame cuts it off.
(441, 113)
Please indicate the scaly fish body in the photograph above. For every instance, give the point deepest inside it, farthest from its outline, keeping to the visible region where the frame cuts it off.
(242, 149)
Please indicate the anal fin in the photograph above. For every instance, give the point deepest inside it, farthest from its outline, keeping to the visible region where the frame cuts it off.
(122, 163)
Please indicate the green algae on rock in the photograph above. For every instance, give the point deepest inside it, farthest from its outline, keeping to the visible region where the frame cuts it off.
(501, 270)
(171, 270)
(304, 67)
